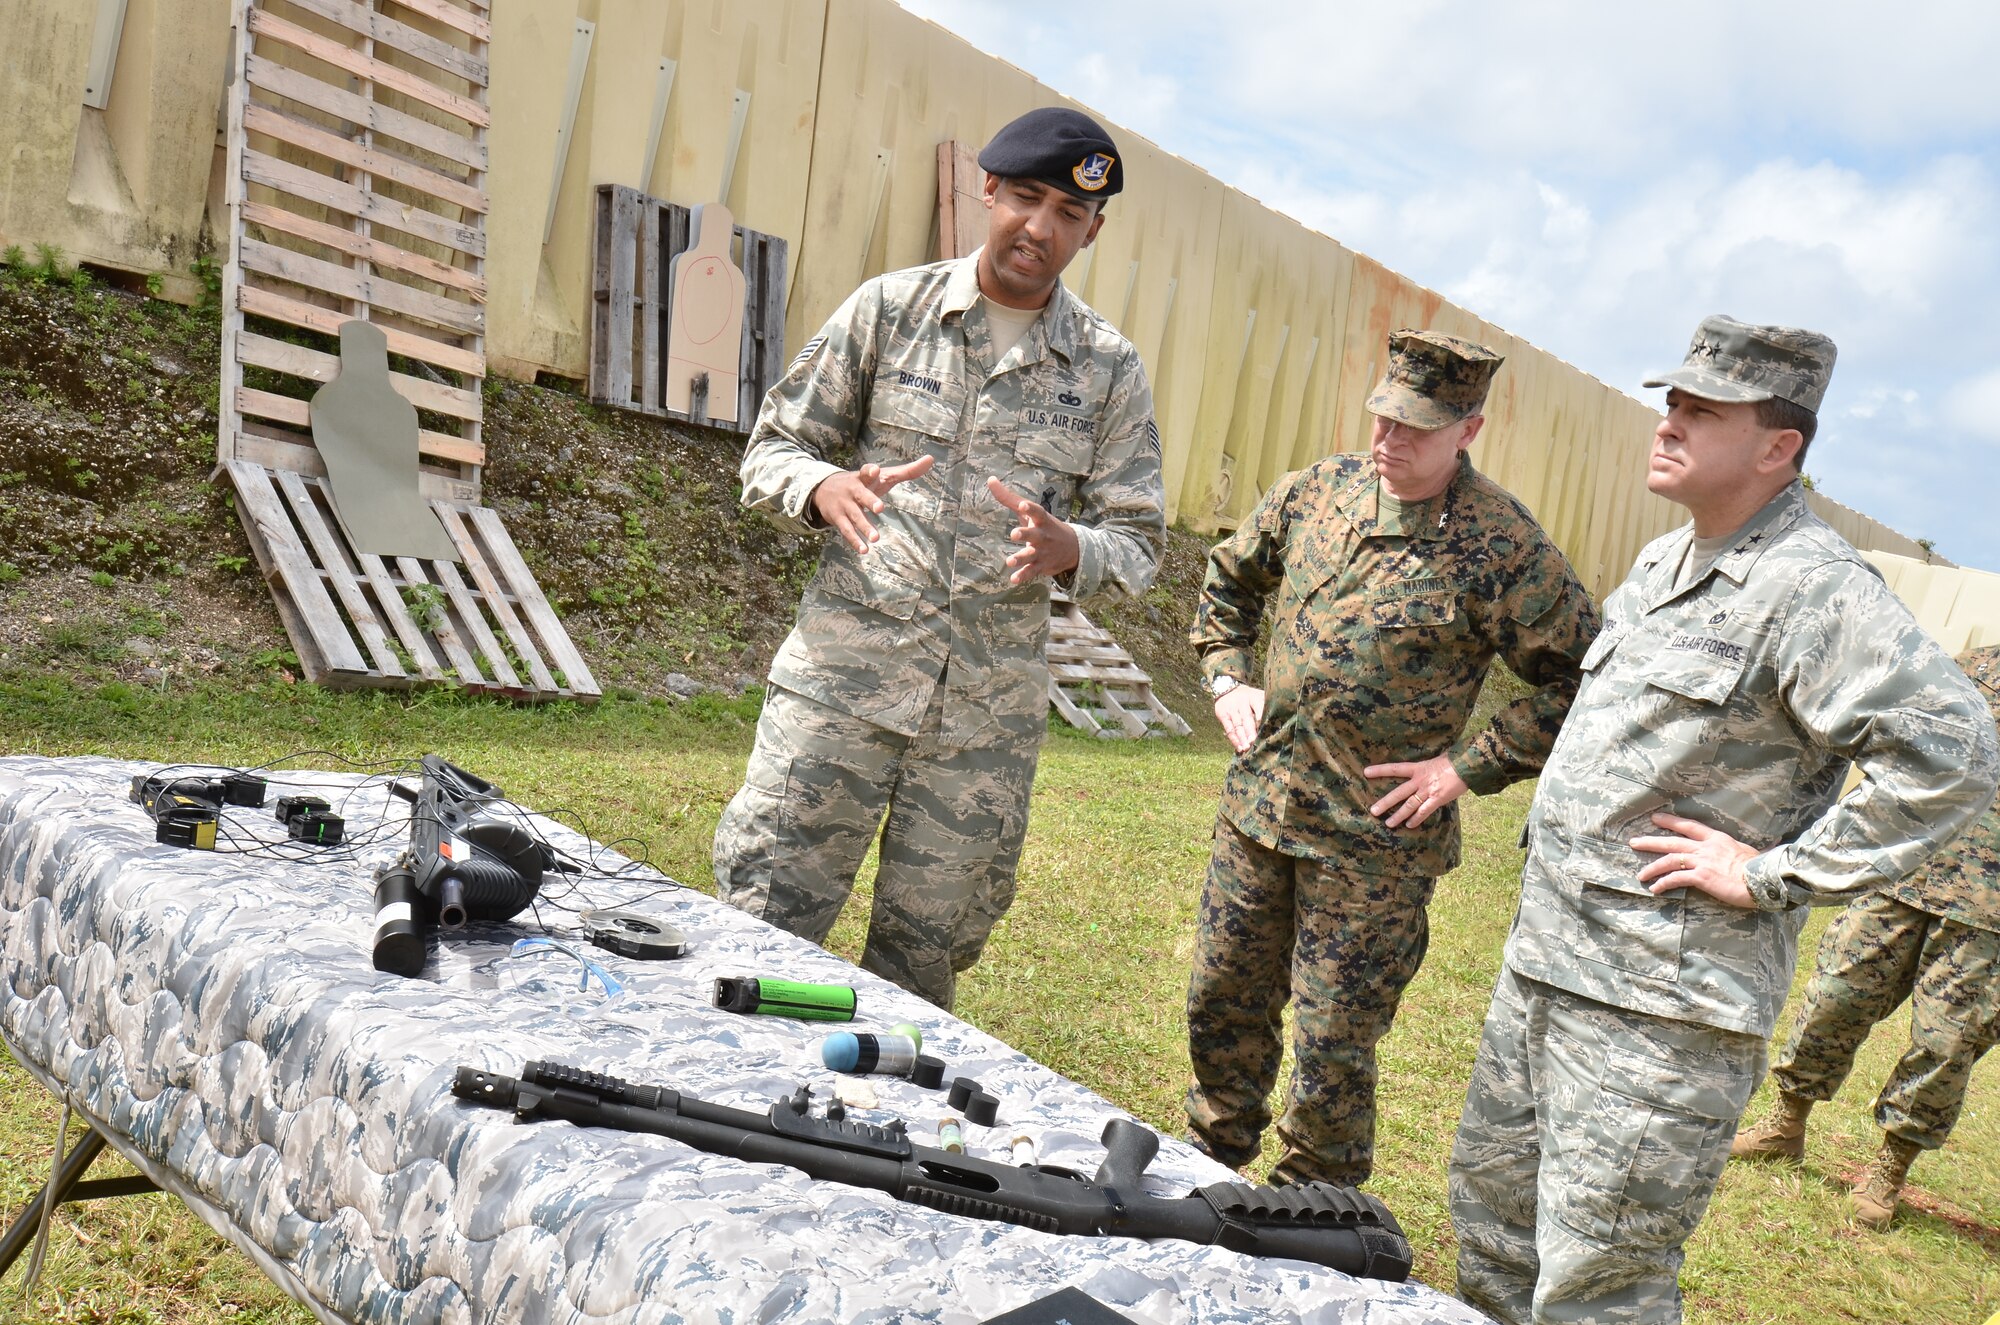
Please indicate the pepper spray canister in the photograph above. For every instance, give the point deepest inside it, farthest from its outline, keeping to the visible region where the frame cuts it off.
(785, 998)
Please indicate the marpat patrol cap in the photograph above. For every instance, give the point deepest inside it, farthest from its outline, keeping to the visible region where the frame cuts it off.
(1434, 380)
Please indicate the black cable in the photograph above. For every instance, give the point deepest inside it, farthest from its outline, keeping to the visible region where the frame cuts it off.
(565, 868)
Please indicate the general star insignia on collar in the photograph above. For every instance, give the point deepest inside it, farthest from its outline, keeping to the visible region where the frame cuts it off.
(1749, 543)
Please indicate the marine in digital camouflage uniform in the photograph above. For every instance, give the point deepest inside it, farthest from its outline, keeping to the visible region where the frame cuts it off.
(1932, 937)
(1385, 614)
(1686, 819)
(1005, 436)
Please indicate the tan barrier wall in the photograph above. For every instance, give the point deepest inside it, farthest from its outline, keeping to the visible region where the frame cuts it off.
(818, 121)
(1958, 605)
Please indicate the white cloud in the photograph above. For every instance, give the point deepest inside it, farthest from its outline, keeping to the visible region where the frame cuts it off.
(1123, 94)
(1973, 407)
(1596, 178)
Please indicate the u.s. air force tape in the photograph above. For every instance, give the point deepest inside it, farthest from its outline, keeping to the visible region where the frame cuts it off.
(630, 934)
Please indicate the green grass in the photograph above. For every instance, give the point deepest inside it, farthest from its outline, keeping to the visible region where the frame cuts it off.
(1087, 975)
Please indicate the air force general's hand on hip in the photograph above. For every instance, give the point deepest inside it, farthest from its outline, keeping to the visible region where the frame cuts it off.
(1699, 857)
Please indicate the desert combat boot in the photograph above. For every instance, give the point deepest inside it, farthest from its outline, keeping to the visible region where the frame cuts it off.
(1876, 1195)
(1780, 1136)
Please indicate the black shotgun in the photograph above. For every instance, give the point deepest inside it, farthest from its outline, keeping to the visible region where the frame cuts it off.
(1340, 1227)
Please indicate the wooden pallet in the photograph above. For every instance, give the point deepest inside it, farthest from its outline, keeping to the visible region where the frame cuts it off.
(638, 238)
(1095, 684)
(355, 175)
(962, 215)
(367, 621)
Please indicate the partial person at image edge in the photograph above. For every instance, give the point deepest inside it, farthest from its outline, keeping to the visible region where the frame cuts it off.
(1932, 937)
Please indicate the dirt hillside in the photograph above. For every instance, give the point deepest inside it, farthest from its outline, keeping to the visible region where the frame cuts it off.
(119, 559)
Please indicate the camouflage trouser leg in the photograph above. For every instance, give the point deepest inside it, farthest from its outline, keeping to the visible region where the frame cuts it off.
(996, 895)
(1866, 967)
(1957, 1019)
(1591, 1142)
(1341, 945)
(956, 822)
(789, 843)
(1874, 954)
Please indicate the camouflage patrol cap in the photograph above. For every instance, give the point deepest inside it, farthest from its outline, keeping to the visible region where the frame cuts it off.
(1735, 362)
(1434, 380)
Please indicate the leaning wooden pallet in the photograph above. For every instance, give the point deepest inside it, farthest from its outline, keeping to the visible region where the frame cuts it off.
(1094, 684)
(355, 179)
(636, 241)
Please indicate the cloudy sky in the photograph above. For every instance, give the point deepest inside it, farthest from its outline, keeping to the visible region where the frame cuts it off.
(1596, 177)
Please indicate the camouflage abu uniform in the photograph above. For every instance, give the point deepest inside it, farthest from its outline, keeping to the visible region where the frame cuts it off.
(1933, 937)
(1385, 617)
(914, 678)
(1627, 1030)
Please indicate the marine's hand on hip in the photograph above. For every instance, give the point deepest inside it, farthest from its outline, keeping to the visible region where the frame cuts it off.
(1051, 546)
(846, 500)
(1697, 856)
(1428, 786)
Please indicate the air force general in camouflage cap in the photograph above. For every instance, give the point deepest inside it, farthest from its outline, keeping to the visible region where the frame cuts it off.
(1433, 380)
(1060, 147)
(1735, 362)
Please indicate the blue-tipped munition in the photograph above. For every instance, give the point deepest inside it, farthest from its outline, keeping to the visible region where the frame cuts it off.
(846, 1051)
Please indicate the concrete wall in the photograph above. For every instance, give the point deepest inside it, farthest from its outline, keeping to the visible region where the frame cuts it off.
(819, 120)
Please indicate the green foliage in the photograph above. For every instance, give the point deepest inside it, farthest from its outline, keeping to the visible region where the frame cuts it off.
(232, 562)
(84, 639)
(48, 265)
(206, 270)
(426, 604)
(9, 572)
(103, 579)
(652, 482)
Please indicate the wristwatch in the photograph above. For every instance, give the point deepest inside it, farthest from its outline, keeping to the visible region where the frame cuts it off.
(1218, 686)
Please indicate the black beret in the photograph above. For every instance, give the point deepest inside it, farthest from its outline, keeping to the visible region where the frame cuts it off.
(1060, 147)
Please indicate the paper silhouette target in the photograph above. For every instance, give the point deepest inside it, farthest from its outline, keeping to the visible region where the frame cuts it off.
(367, 436)
(705, 320)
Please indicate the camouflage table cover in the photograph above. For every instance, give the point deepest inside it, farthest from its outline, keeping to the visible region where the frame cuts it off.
(217, 1017)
